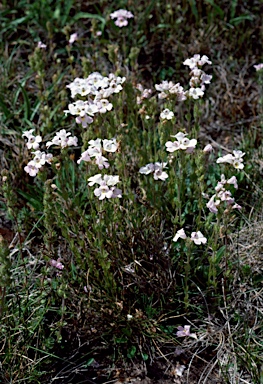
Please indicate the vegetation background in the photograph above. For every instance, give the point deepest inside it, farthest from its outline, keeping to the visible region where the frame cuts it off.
(112, 314)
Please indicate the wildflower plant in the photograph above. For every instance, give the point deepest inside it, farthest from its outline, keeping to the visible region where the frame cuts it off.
(134, 211)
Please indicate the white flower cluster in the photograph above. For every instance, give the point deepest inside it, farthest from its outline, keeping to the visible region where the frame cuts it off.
(106, 187)
(236, 159)
(156, 169)
(223, 195)
(144, 93)
(197, 61)
(199, 79)
(40, 158)
(63, 139)
(95, 150)
(168, 88)
(98, 86)
(122, 17)
(197, 237)
(182, 142)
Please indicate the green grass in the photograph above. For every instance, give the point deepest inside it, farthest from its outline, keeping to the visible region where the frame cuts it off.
(126, 285)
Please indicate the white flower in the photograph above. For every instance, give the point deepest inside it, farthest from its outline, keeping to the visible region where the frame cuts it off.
(236, 160)
(258, 67)
(206, 79)
(166, 114)
(104, 105)
(31, 168)
(73, 38)
(111, 180)
(41, 45)
(196, 93)
(110, 145)
(39, 159)
(33, 141)
(159, 174)
(96, 179)
(103, 191)
(63, 139)
(197, 61)
(156, 169)
(179, 234)
(121, 15)
(208, 148)
(172, 146)
(225, 159)
(182, 143)
(179, 370)
(149, 168)
(198, 238)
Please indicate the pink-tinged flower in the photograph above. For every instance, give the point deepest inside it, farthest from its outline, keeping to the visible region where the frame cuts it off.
(102, 162)
(237, 206)
(57, 264)
(84, 157)
(233, 180)
(206, 79)
(225, 195)
(31, 168)
(258, 67)
(213, 204)
(179, 234)
(198, 238)
(121, 15)
(84, 120)
(106, 187)
(41, 45)
(73, 38)
(104, 191)
(185, 331)
(208, 148)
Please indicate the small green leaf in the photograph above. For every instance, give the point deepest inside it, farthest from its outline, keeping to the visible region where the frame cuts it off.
(145, 356)
(132, 351)
(220, 253)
